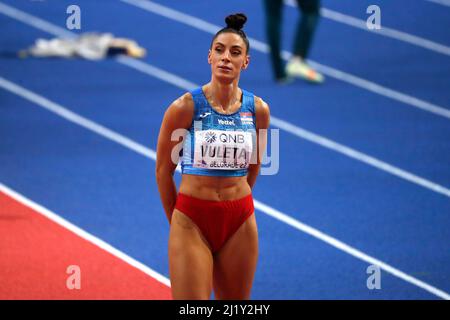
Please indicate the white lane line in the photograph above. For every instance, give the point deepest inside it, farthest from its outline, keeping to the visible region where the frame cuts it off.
(84, 234)
(301, 133)
(61, 32)
(295, 130)
(75, 118)
(348, 249)
(442, 2)
(357, 155)
(384, 31)
(308, 135)
(35, 22)
(278, 215)
(257, 45)
(157, 73)
(199, 24)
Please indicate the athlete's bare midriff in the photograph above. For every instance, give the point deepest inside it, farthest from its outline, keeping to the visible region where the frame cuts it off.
(214, 188)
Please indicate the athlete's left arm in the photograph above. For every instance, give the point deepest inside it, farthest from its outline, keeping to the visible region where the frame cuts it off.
(262, 114)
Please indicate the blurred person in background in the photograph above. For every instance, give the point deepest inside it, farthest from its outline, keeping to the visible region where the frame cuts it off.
(296, 66)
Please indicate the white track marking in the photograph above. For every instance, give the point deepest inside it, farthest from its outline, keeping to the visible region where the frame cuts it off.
(384, 31)
(263, 47)
(278, 215)
(84, 234)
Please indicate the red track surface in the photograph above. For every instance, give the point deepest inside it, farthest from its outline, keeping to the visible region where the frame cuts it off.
(35, 253)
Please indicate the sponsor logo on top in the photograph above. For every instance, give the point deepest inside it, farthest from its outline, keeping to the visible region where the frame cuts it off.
(226, 122)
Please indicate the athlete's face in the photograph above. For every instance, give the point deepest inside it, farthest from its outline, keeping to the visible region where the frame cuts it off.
(228, 56)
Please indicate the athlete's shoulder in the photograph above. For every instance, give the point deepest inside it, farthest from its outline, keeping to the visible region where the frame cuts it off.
(181, 110)
(184, 103)
(262, 112)
(261, 105)
(258, 102)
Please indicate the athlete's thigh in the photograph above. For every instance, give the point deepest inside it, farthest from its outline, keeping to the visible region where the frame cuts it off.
(190, 260)
(235, 263)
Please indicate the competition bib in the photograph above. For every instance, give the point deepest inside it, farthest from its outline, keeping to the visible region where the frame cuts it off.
(225, 150)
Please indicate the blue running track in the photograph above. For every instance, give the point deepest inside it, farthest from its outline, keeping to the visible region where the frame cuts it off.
(368, 171)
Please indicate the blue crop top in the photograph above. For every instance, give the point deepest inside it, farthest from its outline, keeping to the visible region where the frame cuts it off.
(220, 144)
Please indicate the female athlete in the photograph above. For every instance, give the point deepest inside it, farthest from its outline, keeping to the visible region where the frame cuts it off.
(213, 240)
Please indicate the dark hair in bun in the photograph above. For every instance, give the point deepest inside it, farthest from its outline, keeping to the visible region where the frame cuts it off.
(235, 23)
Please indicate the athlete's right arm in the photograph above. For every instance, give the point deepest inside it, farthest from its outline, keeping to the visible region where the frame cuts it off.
(177, 116)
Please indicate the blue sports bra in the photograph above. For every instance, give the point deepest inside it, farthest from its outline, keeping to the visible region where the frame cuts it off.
(220, 144)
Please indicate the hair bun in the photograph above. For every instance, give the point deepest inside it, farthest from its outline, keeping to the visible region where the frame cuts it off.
(236, 21)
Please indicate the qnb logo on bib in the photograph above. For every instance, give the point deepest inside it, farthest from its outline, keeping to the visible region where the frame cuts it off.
(226, 150)
(210, 137)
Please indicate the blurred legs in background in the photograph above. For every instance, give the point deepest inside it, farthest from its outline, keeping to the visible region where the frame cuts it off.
(296, 66)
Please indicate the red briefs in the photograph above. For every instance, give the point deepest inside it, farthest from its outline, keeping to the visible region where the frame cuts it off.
(217, 220)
